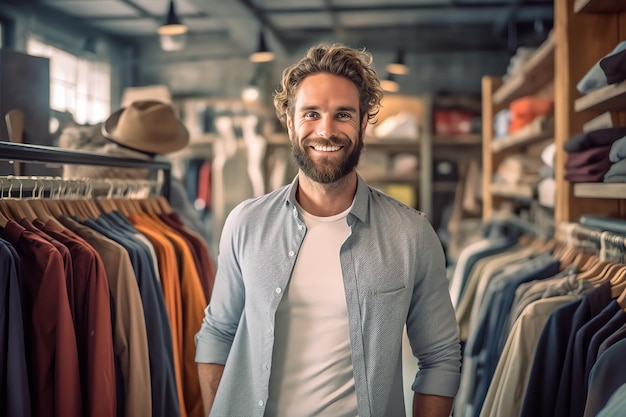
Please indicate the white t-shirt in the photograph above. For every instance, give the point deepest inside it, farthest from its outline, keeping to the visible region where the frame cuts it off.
(312, 363)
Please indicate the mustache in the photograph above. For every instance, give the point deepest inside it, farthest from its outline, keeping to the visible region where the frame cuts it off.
(316, 141)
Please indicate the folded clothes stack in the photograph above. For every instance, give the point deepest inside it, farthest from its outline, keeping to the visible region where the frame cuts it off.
(589, 158)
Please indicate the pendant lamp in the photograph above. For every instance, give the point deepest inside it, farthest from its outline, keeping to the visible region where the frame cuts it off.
(398, 67)
(262, 54)
(172, 33)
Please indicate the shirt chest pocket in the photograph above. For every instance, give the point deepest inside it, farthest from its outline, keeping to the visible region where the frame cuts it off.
(383, 314)
(385, 304)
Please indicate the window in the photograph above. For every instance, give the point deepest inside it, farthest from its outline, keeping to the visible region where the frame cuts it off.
(78, 85)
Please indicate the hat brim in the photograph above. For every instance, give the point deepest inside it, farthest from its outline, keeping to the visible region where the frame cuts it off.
(179, 142)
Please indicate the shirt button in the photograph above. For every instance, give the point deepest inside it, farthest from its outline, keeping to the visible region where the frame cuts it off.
(261, 403)
(278, 290)
(291, 253)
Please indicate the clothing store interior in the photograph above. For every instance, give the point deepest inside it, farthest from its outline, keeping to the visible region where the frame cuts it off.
(503, 121)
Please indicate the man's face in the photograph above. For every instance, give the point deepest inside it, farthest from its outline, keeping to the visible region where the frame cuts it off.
(326, 130)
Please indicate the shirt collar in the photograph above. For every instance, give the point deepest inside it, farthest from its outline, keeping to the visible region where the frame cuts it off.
(361, 198)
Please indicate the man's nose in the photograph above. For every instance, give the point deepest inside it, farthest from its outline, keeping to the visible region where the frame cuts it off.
(326, 129)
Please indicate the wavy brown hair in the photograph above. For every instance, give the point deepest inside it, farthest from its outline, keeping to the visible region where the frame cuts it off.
(335, 59)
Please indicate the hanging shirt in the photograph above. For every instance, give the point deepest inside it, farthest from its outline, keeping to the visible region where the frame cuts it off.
(162, 378)
(50, 337)
(92, 323)
(14, 390)
(129, 327)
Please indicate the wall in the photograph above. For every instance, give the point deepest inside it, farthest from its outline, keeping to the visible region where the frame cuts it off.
(70, 35)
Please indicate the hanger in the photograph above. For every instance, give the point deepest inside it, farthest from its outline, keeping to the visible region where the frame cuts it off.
(618, 287)
(621, 297)
(166, 208)
(67, 200)
(91, 208)
(121, 199)
(87, 205)
(16, 206)
(51, 204)
(590, 262)
(106, 204)
(567, 256)
(608, 272)
(37, 205)
(618, 280)
(595, 270)
(3, 219)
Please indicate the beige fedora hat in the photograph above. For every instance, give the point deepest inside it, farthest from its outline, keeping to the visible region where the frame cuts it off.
(147, 126)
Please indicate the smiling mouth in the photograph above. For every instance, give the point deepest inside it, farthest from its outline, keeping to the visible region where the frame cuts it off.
(326, 148)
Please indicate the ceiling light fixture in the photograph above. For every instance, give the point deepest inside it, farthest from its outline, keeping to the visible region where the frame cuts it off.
(398, 67)
(262, 54)
(389, 84)
(172, 33)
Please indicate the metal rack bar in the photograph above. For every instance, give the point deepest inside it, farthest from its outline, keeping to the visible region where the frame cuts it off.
(50, 154)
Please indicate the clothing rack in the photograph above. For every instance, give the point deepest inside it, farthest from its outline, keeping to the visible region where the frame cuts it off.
(48, 154)
(609, 245)
(586, 234)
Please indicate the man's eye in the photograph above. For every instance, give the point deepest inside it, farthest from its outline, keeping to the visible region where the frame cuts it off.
(310, 115)
(343, 115)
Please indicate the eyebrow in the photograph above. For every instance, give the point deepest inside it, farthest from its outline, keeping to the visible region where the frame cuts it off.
(341, 108)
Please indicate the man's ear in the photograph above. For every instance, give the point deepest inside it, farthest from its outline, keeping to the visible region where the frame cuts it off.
(364, 123)
(289, 123)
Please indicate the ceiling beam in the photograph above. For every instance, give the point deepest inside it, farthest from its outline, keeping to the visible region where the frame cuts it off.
(469, 7)
(265, 23)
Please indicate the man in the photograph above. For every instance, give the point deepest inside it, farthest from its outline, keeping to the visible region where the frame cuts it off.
(317, 280)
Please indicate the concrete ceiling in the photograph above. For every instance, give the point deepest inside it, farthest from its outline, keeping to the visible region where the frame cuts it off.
(414, 26)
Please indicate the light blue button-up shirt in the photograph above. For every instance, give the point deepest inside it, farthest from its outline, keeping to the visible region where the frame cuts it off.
(394, 274)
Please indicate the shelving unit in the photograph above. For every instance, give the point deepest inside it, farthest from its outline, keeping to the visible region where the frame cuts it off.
(540, 129)
(535, 78)
(535, 73)
(599, 190)
(577, 52)
(599, 6)
(584, 32)
(520, 192)
(610, 97)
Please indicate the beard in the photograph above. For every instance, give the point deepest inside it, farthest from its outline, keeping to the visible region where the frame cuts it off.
(326, 170)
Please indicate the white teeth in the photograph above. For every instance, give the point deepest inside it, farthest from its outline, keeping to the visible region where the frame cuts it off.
(327, 148)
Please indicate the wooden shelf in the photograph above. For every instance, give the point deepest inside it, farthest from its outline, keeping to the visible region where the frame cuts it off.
(539, 129)
(468, 139)
(523, 192)
(599, 6)
(600, 190)
(610, 97)
(535, 73)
